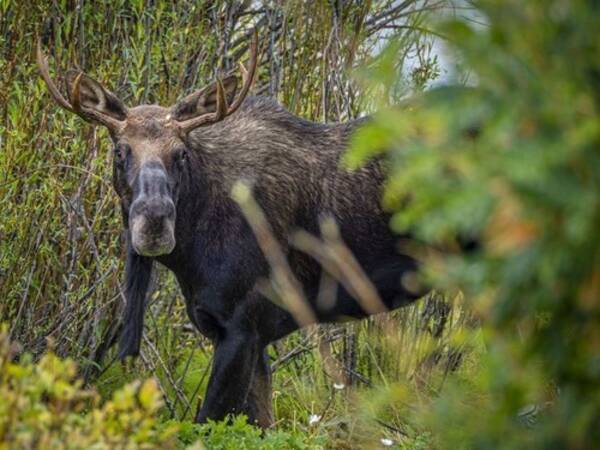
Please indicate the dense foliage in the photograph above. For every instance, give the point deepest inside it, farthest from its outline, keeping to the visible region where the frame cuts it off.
(45, 406)
(513, 160)
(507, 155)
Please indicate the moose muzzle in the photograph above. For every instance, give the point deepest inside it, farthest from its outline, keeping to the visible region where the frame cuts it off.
(152, 213)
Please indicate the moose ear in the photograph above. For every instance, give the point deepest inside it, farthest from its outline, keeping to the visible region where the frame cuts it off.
(93, 97)
(205, 100)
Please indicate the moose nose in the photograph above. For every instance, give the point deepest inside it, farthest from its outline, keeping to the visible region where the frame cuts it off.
(156, 210)
(152, 225)
(152, 213)
(153, 200)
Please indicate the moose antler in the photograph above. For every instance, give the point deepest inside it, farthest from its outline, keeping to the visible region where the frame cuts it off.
(223, 109)
(74, 104)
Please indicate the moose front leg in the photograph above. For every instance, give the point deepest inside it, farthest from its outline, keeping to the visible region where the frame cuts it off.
(234, 363)
(259, 406)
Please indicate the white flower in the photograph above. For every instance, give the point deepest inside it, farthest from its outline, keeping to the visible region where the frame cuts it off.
(387, 442)
(339, 386)
(314, 418)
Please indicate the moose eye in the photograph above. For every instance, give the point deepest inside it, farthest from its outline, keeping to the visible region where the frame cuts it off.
(121, 152)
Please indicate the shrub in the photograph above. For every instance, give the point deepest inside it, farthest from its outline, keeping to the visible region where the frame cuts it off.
(513, 160)
(238, 434)
(45, 406)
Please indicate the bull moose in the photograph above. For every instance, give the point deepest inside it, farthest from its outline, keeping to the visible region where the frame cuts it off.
(174, 168)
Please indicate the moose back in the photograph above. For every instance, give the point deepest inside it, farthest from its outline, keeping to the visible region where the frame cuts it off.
(174, 168)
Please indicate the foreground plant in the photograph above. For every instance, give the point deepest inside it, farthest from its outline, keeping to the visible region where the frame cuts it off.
(514, 159)
(45, 406)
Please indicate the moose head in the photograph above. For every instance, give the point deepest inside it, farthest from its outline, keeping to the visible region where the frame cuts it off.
(150, 144)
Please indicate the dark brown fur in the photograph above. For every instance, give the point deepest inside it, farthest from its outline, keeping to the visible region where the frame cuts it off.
(294, 167)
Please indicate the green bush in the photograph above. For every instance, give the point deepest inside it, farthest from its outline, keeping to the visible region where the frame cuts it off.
(513, 159)
(237, 434)
(44, 406)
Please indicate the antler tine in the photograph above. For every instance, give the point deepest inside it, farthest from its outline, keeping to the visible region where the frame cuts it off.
(247, 75)
(244, 72)
(223, 109)
(73, 105)
(75, 94)
(42, 62)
